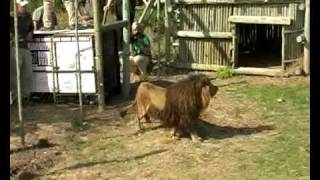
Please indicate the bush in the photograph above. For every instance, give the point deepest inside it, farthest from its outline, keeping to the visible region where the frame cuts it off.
(224, 73)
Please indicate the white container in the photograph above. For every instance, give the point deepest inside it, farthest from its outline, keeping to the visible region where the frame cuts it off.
(68, 83)
(66, 54)
(42, 82)
(63, 49)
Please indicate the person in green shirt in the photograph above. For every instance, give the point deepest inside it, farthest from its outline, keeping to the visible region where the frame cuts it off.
(140, 52)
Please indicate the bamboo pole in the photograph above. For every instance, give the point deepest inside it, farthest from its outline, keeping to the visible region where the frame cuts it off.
(146, 9)
(283, 46)
(18, 73)
(78, 69)
(235, 36)
(167, 31)
(126, 41)
(99, 55)
(306, 62)
(158, 32)
(53, 69)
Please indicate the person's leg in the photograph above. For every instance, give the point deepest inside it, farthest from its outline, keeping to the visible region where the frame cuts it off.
(69, 4)
(47, 18)
(133, 69)
(142, 62)
(13, 74)
(26, 73)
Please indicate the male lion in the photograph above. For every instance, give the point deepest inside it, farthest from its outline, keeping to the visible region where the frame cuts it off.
(177, 106)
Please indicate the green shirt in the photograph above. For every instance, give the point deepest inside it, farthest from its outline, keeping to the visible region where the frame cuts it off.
(141, 42)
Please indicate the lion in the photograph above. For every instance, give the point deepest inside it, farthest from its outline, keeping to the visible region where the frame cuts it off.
(178, 106)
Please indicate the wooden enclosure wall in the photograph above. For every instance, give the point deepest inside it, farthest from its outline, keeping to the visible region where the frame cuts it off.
(205, 51)
(293, 50)
(208, 51)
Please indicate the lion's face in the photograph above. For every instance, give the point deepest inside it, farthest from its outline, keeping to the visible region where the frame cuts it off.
(208, 91)
(208, 86)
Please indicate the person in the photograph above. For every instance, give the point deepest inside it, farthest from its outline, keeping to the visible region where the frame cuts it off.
(140, 52)
(25, 33)
(37, 18)
(48, 8)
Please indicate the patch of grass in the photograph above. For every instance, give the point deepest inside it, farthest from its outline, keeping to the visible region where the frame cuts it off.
(224, 73)
(98, 150)
(285, 156)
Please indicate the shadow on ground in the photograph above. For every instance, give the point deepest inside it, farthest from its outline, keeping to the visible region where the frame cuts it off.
(134, 158)
(207, 130)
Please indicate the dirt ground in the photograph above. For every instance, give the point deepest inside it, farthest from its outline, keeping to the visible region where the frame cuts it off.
(109, 147)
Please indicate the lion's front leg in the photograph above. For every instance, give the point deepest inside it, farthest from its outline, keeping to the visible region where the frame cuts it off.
(173, 133)
(138, 119)
(194, 135)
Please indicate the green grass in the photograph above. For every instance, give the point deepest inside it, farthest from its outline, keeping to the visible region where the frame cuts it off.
(285, 156)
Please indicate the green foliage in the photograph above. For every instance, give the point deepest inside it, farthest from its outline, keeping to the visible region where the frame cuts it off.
(224, 73)
(151, 21)
(34, 4)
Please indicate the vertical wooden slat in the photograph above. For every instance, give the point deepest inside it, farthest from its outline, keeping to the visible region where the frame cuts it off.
(234, 45)
(283, 46)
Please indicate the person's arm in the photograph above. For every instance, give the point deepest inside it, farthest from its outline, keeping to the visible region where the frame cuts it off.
(146, 51)
(85, 18)
(35, 25)
(30, 32)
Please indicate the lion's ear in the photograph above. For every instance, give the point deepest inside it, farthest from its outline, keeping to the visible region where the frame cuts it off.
(205, 96)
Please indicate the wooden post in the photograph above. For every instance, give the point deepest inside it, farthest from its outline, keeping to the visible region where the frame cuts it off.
(235, 35)
(79, 120)
(18, 72)
(99, 55)
(158, 32)
(283, 47)
(167, 31)
(125, 58)
(306, 62)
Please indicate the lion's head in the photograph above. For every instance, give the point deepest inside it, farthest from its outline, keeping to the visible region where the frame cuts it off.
(208, 90)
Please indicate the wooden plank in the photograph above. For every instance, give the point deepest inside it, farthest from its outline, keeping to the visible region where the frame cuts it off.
(292, 60)
(235, 1)
(234, 58)
(240, 70)
(64, 31)
(197, 66)
(293, 31)
(198, 34)
(260, 20)
(283, 46)
(306, 52)
(258, 71)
